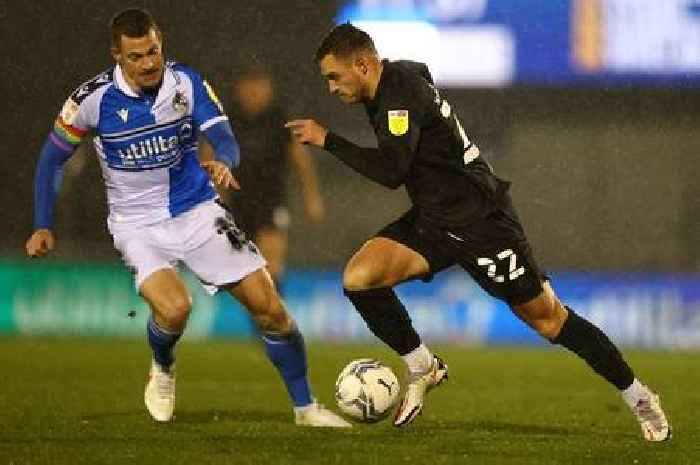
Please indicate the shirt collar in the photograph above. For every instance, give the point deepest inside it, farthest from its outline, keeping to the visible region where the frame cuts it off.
(120, 81)
(373, 104)
(169, 80)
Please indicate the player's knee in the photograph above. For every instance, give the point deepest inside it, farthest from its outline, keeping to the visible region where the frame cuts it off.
(277, 319)
(548, 328)
(357, 277)
(175, 314)
(271, 315)
(548, 322)
(545, 314)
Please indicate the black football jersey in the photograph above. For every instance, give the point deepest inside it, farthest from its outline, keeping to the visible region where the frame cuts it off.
(423, 146)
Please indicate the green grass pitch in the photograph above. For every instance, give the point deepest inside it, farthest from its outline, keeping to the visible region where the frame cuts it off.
(77, 401)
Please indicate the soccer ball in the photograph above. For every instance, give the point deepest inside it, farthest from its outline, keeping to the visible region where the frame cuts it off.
(366, 390)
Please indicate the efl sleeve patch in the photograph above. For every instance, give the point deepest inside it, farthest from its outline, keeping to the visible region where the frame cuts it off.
(398, 122)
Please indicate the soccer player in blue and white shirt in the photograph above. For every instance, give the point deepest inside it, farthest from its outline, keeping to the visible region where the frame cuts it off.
(145, 115)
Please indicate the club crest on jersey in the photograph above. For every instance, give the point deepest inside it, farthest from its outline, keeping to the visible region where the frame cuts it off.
(179, 102)
(123, 114)
(398, 122)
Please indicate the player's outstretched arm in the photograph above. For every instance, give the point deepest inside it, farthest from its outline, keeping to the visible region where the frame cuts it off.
(387, 165)
(53, 155)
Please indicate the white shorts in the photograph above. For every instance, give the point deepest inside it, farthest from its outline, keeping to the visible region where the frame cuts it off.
(190, 238)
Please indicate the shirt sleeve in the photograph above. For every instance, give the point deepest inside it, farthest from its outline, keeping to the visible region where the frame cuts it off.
(79, 114)
(209, 117)
(207, 110)
(47, 180)
(224, 143)
(72, 123)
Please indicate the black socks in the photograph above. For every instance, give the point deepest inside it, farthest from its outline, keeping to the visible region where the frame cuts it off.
(386, 317)
(591, 344)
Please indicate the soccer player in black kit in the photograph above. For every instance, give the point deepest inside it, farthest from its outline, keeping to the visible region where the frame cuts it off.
(461, 214)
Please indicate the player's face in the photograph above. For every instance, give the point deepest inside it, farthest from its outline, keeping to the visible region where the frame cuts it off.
(345, 79)
(141, 59)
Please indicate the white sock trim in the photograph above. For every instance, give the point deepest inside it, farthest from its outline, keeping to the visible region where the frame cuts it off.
(419, 360)
(304, 408)
(634, 393)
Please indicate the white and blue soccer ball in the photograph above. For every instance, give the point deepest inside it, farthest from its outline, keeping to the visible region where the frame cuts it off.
(366, 390)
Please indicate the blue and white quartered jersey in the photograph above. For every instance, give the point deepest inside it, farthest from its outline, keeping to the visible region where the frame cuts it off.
(147, 146)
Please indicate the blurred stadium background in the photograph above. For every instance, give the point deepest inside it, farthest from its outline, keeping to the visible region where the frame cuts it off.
(590, 108)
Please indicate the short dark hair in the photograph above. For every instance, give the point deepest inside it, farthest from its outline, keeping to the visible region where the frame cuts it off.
(132, 22)
(344, 40)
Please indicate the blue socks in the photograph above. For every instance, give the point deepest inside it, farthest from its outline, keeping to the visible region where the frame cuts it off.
(288, 353)
(162, 343)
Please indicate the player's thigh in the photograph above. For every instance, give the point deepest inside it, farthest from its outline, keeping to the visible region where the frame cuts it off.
(145, 250)
(383, 262)
(406, 249)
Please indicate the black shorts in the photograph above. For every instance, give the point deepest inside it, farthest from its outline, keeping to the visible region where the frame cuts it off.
(493, 250)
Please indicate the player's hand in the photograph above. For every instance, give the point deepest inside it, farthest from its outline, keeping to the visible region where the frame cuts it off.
(307, 131)
(221, 174)
(40, 243)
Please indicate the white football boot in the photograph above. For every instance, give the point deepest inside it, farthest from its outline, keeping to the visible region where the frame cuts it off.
(160, 393)
(316, 414)
(651, 418)
(418, 386)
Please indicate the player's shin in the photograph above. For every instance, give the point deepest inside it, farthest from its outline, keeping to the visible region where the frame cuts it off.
(288, 353)
(386, 317)
(162, 343)
(591, 344)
